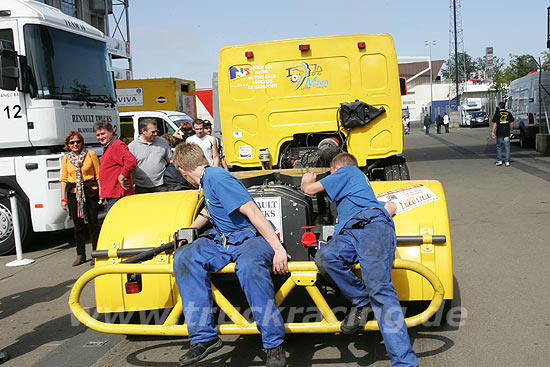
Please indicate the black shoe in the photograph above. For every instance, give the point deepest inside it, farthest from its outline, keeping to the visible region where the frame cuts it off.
(4, 356)
(276, 357)
(355, 320)
(199, 351)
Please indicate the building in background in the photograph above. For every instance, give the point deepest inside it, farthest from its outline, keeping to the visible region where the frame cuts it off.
(112, 18)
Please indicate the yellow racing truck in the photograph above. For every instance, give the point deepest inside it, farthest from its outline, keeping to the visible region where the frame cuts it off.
(286, 107)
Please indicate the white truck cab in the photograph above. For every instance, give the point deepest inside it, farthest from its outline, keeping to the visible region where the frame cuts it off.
(54, 77)
(167, 122)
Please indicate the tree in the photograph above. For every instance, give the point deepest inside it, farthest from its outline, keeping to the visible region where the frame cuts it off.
(545, 60)
(448, 71)
(520, 66)
(500, 83)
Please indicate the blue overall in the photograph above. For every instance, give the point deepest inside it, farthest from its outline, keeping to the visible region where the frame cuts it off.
(367, 238)
(243, 245)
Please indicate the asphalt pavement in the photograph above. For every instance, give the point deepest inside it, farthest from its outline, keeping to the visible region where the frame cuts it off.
(500, 228)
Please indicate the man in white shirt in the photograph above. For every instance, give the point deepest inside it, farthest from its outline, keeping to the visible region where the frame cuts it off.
(207, 143)
(446, 122)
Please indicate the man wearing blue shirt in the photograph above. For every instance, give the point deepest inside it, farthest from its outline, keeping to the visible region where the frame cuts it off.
(241, 234)
(365, 233)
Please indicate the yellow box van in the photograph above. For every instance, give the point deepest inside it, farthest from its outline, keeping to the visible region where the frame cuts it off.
(280, 99)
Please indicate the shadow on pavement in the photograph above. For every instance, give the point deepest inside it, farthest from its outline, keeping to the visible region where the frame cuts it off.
(19, 301)
(56, 330)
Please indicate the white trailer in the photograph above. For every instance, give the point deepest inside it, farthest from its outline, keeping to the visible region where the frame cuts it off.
(529, 112)
(54, 77)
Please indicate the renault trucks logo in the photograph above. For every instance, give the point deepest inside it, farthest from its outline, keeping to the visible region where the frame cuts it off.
(306, 76)
(235, 73)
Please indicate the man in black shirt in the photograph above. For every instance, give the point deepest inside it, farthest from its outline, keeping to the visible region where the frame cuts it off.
(503, 123)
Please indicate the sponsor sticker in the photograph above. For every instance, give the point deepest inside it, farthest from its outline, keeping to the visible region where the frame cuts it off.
(245, 151)
(272, 210)
(408, 198)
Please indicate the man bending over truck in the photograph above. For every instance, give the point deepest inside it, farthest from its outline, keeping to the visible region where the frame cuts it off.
(365, 233)
(240, 234)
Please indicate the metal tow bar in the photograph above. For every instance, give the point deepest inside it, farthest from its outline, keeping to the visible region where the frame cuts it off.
(301, 274)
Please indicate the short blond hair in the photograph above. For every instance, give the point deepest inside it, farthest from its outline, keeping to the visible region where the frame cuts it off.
(189, 157)
(344, 159)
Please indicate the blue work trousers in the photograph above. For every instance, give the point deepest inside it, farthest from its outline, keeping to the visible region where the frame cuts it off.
(369, 238)
(252, 257)
(506, 141)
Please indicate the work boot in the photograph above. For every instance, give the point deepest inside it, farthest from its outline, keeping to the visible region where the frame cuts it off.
(199, 351)
(355, 320)
(80, 259)
(4, 356)
(276, 357)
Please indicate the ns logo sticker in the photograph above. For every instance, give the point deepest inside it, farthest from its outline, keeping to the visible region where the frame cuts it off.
(235, 73)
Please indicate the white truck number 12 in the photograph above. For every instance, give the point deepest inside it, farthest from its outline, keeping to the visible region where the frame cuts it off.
(16, 108)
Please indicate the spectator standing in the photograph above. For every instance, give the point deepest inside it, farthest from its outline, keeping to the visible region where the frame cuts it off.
(183, 132)
(439, 123)
(206, 142)
(427, 123)
(241, 234)
(80, 191)
(503, 124)
(446, 122)
(221, 153)
(365, 233)
(152, 155)
(117, 165)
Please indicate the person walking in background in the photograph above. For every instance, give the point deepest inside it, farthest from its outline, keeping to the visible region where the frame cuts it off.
(221, 153)
(80, 191)
(446, 122)
(117, 165)
(439, 123)
(152, 155)
(427, 123)
(503, 124)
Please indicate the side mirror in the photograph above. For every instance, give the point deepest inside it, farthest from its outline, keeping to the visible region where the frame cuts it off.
(403, 85)
(9, 72)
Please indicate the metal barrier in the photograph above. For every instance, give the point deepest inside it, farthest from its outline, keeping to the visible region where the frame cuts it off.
(302, 274)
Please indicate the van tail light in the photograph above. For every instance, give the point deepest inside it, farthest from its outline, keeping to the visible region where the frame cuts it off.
(531, 119)
(133, 285)
(304, 47)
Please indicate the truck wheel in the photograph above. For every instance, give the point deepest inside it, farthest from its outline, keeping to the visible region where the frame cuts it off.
(396, 170)
(7, 236)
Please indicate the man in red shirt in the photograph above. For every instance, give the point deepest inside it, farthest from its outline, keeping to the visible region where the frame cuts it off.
(116, 166)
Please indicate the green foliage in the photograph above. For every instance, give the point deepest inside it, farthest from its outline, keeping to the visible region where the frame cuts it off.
(467, 67)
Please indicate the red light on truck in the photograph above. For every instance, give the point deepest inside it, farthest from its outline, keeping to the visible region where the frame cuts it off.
(531, 119)
(304, 47)
(249, 54)
(132, 287)
(38, 206)
(361, 45)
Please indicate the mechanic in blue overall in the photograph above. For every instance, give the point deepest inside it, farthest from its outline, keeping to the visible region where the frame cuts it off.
(240, 234)
(364, 234)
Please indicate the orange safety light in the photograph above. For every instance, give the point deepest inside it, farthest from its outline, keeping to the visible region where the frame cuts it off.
(249, 54)
(361, 45)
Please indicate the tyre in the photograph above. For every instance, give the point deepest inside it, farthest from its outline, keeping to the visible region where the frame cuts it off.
(7, 235)
(396, 170)
(523, 141)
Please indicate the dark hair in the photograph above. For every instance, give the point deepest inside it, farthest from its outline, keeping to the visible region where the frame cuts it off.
(143, 123)
(501, 105)
(70, 134)
(207, 123)
(103, 124)
(198, 122)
